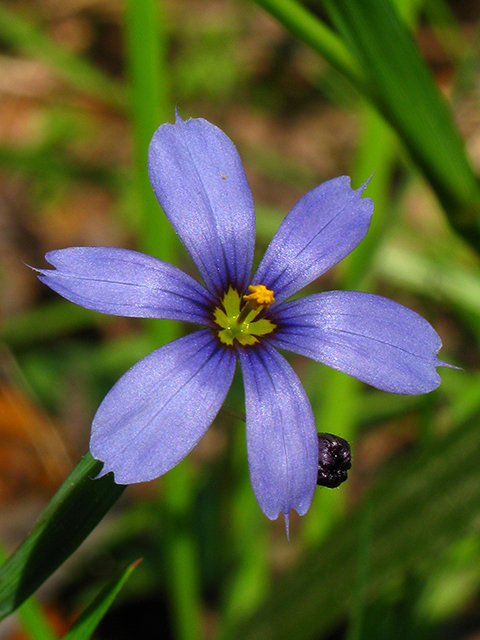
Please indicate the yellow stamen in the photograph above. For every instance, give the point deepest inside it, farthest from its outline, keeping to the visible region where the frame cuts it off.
(259, 296)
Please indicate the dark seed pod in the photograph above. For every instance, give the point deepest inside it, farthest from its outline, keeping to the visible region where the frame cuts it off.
(334, 460)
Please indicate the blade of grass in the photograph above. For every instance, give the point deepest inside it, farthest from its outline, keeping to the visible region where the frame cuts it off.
(88, 621)
(72, 514)
(31, 616)
(405, 92)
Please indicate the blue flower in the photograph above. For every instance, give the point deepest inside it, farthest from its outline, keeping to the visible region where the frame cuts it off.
(158, 411)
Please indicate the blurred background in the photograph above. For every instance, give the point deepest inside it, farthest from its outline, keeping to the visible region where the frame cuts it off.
(393, 553)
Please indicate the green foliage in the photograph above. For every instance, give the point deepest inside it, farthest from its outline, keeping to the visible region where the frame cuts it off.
(72, 514)
(395, 555)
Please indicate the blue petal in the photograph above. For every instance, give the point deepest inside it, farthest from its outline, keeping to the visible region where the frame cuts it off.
(158, 411)
(198, 178)
(324, 226)
(126, 283)
(282, 439)
(369, 337)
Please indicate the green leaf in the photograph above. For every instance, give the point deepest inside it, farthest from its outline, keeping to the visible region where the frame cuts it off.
(88, 621)
(405, 92)
(31, 616)
(73, 513)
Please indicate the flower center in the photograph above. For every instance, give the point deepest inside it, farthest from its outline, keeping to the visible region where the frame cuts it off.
(237, 318)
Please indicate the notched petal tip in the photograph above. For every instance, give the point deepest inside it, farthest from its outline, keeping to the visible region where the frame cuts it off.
(44, 275)
(365, 200)
(325, 225)
(116, 476)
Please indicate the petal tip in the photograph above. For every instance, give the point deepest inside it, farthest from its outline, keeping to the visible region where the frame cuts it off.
(178, 117)
(447, 365)
(32, 268)
(287, 525)
(366, 183)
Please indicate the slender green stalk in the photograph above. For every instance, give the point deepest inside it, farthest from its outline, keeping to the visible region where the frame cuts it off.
(146, 44)
(249, 533)
(338, 411)
(360, 592)
(376, 158)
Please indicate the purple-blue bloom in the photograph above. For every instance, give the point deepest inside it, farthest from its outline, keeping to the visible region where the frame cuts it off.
(158, 411)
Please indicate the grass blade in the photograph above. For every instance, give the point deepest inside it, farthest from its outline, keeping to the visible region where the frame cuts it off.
(73, 513)
(86, 624)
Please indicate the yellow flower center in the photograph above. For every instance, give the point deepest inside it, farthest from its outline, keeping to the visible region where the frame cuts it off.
(238, 322)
